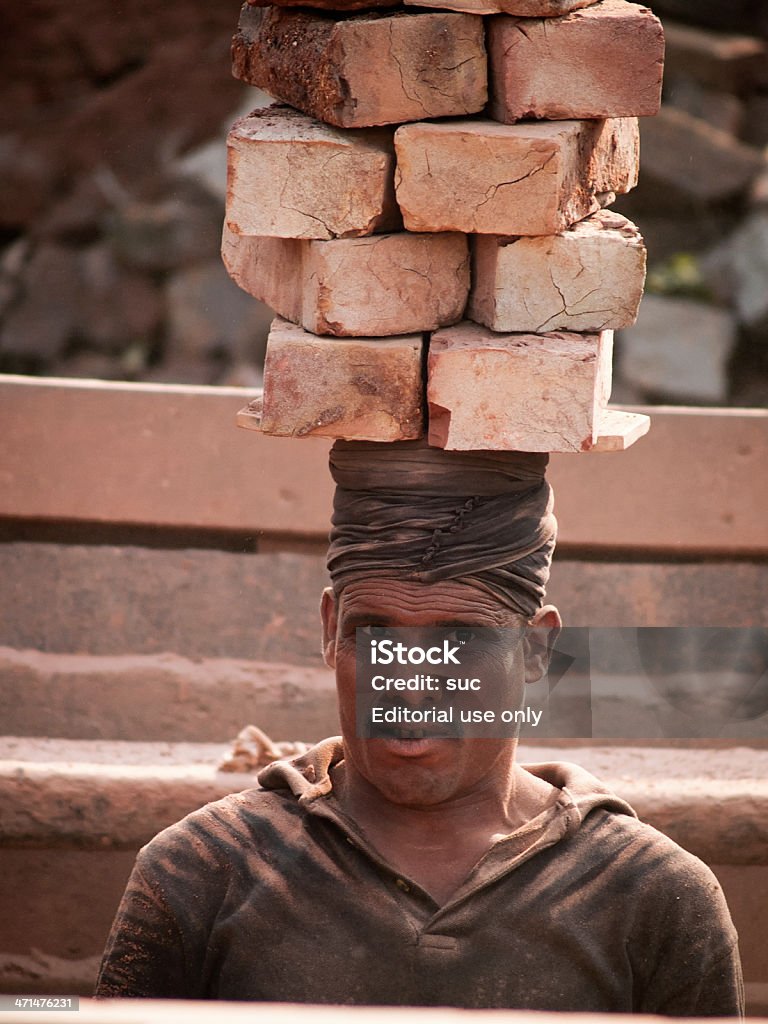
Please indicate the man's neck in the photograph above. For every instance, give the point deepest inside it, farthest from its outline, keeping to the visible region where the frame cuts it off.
(437, 845)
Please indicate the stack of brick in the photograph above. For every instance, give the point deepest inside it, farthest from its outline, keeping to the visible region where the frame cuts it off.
(424, 207)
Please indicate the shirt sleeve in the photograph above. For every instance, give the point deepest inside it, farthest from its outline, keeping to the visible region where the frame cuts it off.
(689, 964)
(144, 955)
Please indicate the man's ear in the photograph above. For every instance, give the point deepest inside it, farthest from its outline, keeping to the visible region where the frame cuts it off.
(543, 630)
(328, 613)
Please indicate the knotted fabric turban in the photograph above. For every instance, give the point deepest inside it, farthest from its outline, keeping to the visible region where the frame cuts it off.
(412, 512)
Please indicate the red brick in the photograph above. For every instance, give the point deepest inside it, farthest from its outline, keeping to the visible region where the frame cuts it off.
(292, 176)
(359, 389)
(370, 69)
(329, 5)
(526, 179)
(590, 277)
(381, 285)
(602, 61)
(524, 392)
(519, 8)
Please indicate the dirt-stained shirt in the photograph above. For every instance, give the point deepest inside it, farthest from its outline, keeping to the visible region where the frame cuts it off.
(274, 894)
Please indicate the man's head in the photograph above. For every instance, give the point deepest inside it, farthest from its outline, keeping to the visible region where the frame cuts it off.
(426, 539)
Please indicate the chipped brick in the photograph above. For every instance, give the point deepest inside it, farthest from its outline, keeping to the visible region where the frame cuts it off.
(602, 61)
(523, 392)
(525, 179)
(369, 69)
(588, 278)
(291, 176)
(519, 8)
(359, 389)
(381, 285)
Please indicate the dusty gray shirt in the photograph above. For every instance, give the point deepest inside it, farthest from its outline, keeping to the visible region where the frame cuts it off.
(273, 894)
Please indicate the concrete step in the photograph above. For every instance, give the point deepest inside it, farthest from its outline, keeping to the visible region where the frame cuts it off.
(84, 793)
(171, 1011)
(74, 812)
(154, 697)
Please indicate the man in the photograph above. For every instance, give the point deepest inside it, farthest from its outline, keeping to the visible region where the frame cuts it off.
(412, 869)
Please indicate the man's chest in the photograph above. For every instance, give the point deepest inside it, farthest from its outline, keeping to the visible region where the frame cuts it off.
(340, 929)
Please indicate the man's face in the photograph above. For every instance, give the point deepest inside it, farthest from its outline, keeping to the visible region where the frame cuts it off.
(420, 772)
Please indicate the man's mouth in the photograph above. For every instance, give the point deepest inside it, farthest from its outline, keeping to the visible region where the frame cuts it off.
(384, 731)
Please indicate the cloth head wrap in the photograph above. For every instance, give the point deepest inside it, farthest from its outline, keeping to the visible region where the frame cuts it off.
(408, 511)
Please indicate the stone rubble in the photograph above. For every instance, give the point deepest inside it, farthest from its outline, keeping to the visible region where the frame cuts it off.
(679, 350)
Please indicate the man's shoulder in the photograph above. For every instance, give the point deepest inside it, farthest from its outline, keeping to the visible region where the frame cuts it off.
(604, 830)
(639, 857)
(239, 821)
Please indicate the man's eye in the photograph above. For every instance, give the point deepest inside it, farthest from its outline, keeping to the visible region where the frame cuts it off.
(375, 632)
(462, 634)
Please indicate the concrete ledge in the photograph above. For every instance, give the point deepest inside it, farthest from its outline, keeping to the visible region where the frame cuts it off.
(167, 1011)
(714, 802)
(170, 455)
(161, 697)
(264, 608)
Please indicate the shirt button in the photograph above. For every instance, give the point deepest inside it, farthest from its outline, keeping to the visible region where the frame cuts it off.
(402, 884)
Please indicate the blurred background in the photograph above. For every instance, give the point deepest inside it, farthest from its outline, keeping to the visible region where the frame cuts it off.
(112, 163)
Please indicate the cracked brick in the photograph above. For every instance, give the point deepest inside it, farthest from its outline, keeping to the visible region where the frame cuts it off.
(359, 389)
(587, 278)
(527, 179)
(291, 176)
(603, 61)
(369, 69)
(519, 8)
(376, 286)
(521, 392)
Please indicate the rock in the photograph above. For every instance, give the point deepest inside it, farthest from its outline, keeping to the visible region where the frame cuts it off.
(292, 176)
(725, 63)
(178, 228)
(369, 69)
(77, 217)
(588, 278)
(755, 128)
(697, 161)
(29, 182)
(381, 285)
(208, 315)
(360, 389)
(12, 262)
(46, 312)
(738, 270)
(524, 392)
(87, 366)
(603, 61)
(748, 16)
(679, 349)
(184, 369)
(242, 375)
(206, 165)
(721, 110)
(118, 305)
(525, 179)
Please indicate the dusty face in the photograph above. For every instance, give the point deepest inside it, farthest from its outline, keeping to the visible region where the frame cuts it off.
(429, 770)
